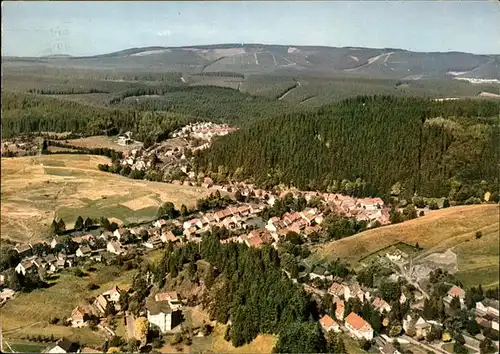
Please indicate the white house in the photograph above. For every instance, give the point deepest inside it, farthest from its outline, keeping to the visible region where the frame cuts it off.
(271, 200)
(83, 251)
(354, 290)
(54, 243)
(159, 223)
(395, 255)
(114, 294)
(114, 247)
(328, 324)
(381, 305)
(193, 222)
(120, 232)
(78, 317)
(358, 327)
(161, 314)
(63, 346)
(455, 291)
(24, 267)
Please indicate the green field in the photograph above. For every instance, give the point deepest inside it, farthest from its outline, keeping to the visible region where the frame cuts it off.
(25, 347)
(72, 186)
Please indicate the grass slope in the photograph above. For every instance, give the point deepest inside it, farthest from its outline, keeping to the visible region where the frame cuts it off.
(28, 313)
(70, 185)
(436, 232)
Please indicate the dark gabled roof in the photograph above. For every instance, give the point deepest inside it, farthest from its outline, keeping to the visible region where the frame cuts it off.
(319, 270)
(68, 346)
(50, 258)
(491, 303)
(156, 307)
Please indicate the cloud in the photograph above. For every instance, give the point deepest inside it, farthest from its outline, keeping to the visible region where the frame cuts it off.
(166, 33)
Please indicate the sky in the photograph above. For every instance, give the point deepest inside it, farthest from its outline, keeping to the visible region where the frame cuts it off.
(88, 28)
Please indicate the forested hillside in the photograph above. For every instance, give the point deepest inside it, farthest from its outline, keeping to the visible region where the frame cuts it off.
(432, 148)
(28, 113)
(215, 103)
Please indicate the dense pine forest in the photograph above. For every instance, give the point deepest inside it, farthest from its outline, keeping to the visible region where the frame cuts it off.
(135, 109)
(268, 303)
(29, 113)
(214, 103)
(432, 148)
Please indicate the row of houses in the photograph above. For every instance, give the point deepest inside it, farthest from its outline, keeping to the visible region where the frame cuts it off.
(50, 263)
(307, 221)
(487, 313)
(370, 210)
(355, 325)
(203, 130)
(232, 218)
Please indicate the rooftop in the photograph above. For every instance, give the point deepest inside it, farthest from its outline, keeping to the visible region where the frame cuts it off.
(155, 307)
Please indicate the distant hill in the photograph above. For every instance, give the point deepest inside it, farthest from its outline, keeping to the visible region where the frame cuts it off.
(259, 58)
(487, 71)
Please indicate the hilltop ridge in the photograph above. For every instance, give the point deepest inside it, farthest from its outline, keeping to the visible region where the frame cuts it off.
(263, 58)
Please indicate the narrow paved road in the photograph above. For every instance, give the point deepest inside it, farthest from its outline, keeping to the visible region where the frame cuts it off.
(424, 345)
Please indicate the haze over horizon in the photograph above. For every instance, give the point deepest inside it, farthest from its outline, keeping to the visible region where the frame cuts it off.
(91, 28)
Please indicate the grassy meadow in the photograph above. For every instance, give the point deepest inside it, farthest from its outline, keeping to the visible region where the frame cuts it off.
(37, 189)
(27, 314)
(438, 231)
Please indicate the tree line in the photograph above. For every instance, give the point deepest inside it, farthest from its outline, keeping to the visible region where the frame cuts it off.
(69, 91)
(221, 74)
(28, 113)
(448, 149)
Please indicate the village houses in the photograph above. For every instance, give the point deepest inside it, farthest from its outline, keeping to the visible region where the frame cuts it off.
(487, 313)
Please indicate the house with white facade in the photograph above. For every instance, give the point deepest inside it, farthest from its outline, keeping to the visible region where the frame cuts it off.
(161, 314)
(455, 291)
(114, 247)
(24, 267)
(328, 324)
(358, 327)
(63, 346)
(381, 305)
